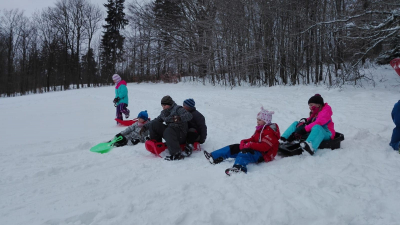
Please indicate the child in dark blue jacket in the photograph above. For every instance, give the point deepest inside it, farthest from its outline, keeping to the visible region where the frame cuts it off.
(395, 142)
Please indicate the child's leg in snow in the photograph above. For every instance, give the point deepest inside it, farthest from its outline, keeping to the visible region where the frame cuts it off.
(395, 141)
(123, 109)
(290, 130)
(157, 130)
(119, 112)
(229, 151)
(317, 135)
(243, 159)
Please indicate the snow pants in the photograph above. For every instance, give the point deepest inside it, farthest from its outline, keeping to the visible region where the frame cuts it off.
(317, 135)
(241, 159)
(173, 136)
(121, 108)
(395, 141)
(192, 136)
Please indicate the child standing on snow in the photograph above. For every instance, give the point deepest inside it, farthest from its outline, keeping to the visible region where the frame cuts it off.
(261, 147)
(121, 97)
(132, 132)
(395, 141)
(319, 126)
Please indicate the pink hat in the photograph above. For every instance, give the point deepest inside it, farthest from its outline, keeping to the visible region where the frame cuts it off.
(116, 78)
(265, 115)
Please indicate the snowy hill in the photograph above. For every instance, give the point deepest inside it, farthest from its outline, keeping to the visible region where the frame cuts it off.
(49, 176)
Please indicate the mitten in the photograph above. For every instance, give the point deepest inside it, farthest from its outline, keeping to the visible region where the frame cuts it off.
(116, 100)
(302, 121)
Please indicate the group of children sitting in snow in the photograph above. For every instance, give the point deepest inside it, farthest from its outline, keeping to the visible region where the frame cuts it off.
(178, 125)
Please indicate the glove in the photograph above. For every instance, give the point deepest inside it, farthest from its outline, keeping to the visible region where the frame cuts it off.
(135, 141)
(177, 119)
(116, 100)
(117, 135)
(302, 122)
(142, 130)
(147, 138)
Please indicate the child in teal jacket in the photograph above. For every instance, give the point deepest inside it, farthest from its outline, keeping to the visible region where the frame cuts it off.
(121, 99)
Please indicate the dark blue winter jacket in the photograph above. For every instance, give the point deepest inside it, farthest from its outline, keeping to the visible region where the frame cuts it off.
(396, 114)
(395, 140)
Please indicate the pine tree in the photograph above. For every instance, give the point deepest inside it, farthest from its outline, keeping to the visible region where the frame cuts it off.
(112, 41)
(168, 15)
(89, 67)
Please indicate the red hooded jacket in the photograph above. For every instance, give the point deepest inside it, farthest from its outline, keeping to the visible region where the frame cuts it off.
(268, 144)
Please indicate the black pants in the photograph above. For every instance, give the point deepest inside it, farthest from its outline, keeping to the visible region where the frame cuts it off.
(192, 136)
(173, 136)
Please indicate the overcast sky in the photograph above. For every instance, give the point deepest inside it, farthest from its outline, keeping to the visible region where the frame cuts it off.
(30, 6)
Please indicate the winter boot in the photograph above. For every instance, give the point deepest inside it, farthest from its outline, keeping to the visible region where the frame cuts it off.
(235, 169)
(178, 156)
(188, 150)
(211, 159)
(283, 141)
(307, 147)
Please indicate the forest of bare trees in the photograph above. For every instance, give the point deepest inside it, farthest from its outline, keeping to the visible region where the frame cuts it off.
(218, 42)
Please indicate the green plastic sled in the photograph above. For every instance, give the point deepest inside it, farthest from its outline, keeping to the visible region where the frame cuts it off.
(105, 147)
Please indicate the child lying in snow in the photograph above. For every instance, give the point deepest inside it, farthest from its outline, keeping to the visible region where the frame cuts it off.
(262, 146)
(132, 132)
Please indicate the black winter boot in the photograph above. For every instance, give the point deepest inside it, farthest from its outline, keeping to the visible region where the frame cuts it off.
(178, 156)
(307, 147)
(211, 159)
(235, 169)
(188, 150)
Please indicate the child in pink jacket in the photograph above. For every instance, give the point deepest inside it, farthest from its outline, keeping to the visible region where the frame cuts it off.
(319, 126)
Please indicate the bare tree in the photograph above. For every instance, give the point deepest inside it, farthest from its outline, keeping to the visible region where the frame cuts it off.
(93, 16)
(10, 25)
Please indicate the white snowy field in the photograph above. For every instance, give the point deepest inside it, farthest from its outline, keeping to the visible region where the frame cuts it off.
(49, 176)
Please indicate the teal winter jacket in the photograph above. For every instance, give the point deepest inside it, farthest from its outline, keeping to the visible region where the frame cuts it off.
(121, 92)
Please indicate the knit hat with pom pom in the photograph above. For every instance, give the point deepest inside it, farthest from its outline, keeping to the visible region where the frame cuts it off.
(265, 115)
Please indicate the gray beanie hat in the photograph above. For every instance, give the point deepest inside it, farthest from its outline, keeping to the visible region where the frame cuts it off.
(167, 100)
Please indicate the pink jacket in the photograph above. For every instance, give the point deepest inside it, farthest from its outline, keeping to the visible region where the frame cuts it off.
(323, 118)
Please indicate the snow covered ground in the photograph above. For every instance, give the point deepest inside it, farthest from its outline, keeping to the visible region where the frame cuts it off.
(49, 176)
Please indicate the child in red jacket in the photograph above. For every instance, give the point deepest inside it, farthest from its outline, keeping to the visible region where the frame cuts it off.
(261, 147)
